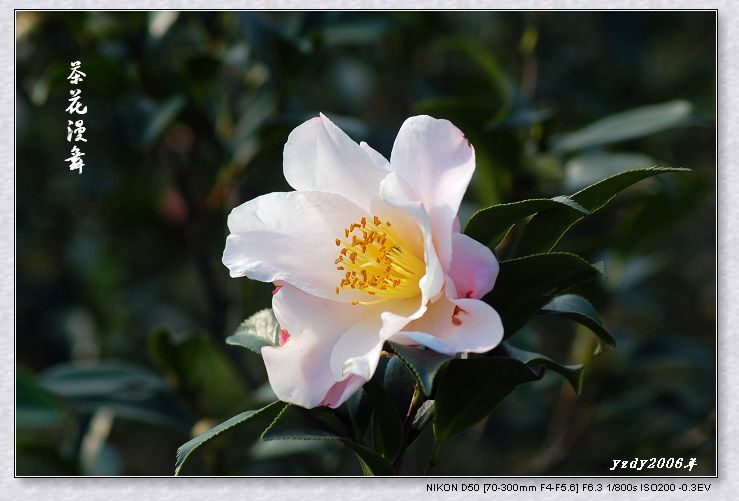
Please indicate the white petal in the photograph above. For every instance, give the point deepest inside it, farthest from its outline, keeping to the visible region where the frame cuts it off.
(436, 159)
(300, 370)
(455, 326)
(474, 267)
(399, 195)
(290, 237)
(380, 161)
(358, 350)
(318, 156)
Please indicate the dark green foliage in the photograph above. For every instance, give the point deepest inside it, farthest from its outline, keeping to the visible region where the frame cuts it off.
(266, 413)
(471, 389)
(526, 284)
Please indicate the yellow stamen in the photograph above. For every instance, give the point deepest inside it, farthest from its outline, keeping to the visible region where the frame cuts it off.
(380, 263)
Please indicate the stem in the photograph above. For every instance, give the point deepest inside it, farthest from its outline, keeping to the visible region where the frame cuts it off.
(416, 400)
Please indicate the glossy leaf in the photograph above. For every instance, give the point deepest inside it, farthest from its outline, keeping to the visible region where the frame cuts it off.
(260, 329)
(265, 413)
(399, 383)
(359, 410)
(526, 284)
(629, 124)
(424, 364)
(579, 309)
(547, 228)
(297, 423)
(387, 422)
(572, 373)
(471, 389)
(489, 225)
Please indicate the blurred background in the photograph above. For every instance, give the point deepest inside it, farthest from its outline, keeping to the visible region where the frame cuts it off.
(123, 305)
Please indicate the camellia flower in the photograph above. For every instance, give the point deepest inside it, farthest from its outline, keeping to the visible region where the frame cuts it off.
(365, 251)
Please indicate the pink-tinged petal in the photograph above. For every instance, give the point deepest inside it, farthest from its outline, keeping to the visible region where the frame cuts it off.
(341, 391)
(290, 237)
(474, 267)
(436, 159)
(456, 226)
(455, 326)
(284, 337)
(318, 156)
(300, 370)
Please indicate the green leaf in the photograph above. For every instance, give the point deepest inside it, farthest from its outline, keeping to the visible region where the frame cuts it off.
(200, 369)
(489, 225)
(547, 228)
(184, 451)
(71, 380)
(526, 284)
(131, 392)
(357, 412)
(399, 384)
(630, 124)
(387, 423)
(260, 329)
(579, 309)
(471, 389)
(297, 423)
(424, 364)
(572, 373)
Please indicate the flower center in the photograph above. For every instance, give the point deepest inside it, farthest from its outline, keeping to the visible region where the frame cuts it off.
(376, 261)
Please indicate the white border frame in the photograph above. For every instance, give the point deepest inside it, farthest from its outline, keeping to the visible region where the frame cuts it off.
(725, 487)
